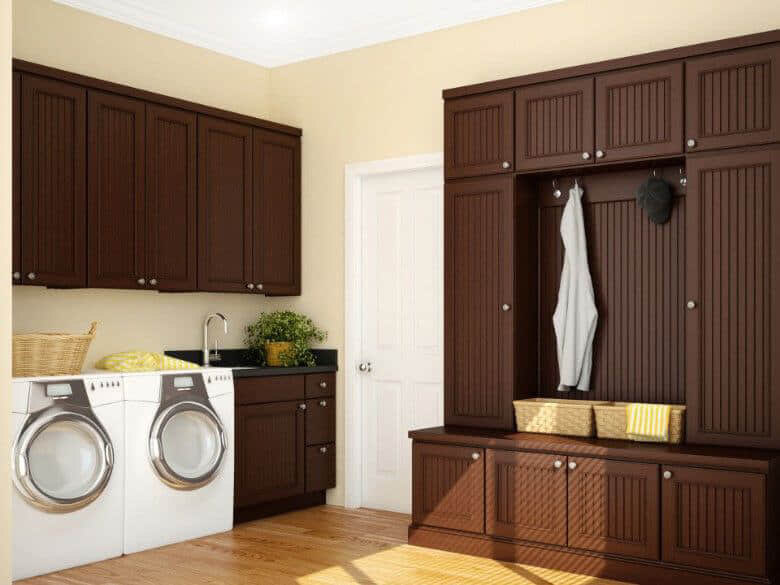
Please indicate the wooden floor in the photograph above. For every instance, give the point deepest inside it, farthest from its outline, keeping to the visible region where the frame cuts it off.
(327, 545)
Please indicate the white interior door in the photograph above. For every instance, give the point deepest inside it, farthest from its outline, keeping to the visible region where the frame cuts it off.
(402, 327)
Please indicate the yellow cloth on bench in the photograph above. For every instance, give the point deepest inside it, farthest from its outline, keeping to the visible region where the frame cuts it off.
(648, 422)
(142, 361)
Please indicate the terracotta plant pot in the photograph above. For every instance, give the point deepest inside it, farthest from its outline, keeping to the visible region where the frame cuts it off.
(274, 350)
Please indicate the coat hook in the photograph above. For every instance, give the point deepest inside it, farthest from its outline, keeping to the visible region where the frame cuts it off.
(683, 177)
(556, 190)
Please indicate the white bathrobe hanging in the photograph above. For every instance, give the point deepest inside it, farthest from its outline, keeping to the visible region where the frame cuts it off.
(575, 316)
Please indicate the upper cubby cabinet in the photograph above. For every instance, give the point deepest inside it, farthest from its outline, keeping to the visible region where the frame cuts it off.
(733, 99)
(479, 135)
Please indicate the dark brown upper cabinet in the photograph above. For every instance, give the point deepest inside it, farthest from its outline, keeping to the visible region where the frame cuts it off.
(171, 199)
(224, 206)
(276, 224)
(479, 299)
(732, 360)
(16, 201)
(50, 246)
(449, 487)
(714, 519)
(117, 201)
(733, 99)
(554, 124)
(525, 496)
(639, 112)
(614, 507)
(479, 135)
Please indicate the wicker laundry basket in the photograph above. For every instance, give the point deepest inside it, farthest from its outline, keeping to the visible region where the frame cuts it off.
(611, 420)
(556, 416)
(50, 354)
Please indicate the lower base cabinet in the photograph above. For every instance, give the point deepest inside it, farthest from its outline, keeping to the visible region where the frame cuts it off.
(320, 467)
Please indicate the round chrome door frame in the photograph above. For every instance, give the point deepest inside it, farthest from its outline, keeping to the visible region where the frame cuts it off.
(157, 456)
(20, 466)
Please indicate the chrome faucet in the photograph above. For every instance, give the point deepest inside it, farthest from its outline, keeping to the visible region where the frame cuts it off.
(206, 322)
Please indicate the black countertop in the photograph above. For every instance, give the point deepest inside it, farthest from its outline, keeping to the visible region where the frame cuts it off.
(241, 363)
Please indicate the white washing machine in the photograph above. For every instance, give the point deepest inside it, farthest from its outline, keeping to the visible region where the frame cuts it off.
(67, 466)
(179, 438)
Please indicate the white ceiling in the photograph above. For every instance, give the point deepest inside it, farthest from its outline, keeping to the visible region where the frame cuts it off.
(277, 32)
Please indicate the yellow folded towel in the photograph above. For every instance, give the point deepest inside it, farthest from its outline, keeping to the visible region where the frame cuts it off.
(142, 361)
(648, 422)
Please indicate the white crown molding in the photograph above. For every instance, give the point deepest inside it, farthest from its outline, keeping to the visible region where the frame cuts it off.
(274, 53)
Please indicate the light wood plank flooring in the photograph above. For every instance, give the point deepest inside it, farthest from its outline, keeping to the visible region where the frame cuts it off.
(327, 545)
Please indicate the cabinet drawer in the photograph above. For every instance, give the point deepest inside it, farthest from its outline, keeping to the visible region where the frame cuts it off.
(272, 389)
(320, 385)
(320, 467)
(320, 421)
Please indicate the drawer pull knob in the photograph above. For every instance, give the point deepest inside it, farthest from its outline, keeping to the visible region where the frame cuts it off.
(323, 384)
(323, 403)
(475, 456)
(505, 307)
(302, 406)
(259, 286)
(558, 464)
(572, 465)
(32, 275)
(691, 143)
(141, 281)
(506, 164)
(323, 449)
(250, 286)
(153, 281)
(691, 304)
(667, 475)
(585, 156)
(17, 275)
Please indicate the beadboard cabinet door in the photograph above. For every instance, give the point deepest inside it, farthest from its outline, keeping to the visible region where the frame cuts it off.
(732, 360)
(639, 112)
(449, 487)
(52, 202)
(554, 124)
(224, 206)
(479, 135)
(714, 519)
(614, 507)
(525, 496)
(16, 201)
(171, 199)
(117, 191)
(733, 99)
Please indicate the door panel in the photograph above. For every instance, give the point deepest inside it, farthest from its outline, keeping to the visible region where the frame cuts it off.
(269, 452)
(449, 488)
(714, 519)
(479, 278)
(53, 183)
(320, 467)
(479, 135)
(525, 496)
(16, 228)
(320, 421)
(171, 198)
(733, 353)
(276, 213)
(639, 112)
(554, 124)
(117, 199)
(224, 206)
(614, 507)
(733, 99)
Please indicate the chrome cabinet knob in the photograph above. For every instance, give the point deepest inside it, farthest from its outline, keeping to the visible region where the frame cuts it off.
(585, 156)
(691, 304)
(323, 449)
(475, 456)
(667, 475)
(141, 281)
(599, 154)
(153, 281)
(691, 143)
(250, 286)
(302, 406)
(323, 384)
(259, 286)
(572, 465)
(505, 307)
(558, 464)
(17, 275)
(32, 276)
(506, 164)
(323, 403)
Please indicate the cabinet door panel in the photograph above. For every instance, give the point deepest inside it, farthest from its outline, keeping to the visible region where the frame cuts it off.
(117, 200)
(16, 228)
(639, 112)
(714, 519)
(479, 135)
(320, 421)
(270, 457)
(53, 183)
(448, 487)
(525, 496)
(320, 467)
(614, 507)
(171, 198)
(276, 213)
(224, 205)
(554, 124)
(733, 277)
(479, 279)
(733, 99)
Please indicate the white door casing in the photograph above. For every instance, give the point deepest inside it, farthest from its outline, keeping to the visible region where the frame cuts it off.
(394, 321)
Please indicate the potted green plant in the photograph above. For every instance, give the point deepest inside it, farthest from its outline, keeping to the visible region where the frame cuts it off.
(282, 338)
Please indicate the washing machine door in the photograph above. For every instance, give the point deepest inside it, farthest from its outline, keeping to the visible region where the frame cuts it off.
(187, 444)
(62, 460)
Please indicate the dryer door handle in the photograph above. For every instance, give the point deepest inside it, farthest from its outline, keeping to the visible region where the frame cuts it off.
(109, 455)
(154, 447)
(21, 465)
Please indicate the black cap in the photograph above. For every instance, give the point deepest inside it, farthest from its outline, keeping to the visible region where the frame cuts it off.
(655, 197)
